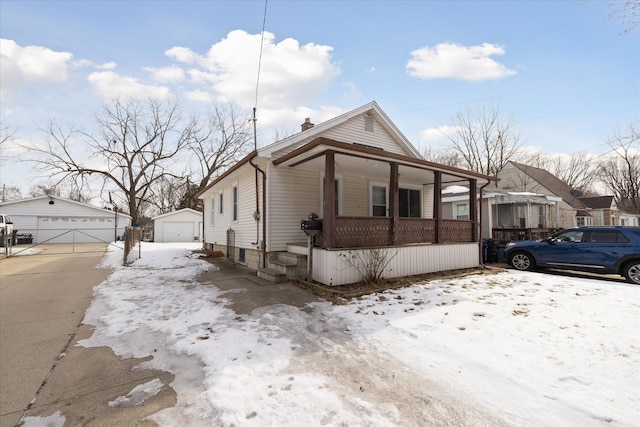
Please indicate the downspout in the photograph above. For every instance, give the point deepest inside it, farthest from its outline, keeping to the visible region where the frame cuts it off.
(264, 214)
(264, 198)
(480, 223)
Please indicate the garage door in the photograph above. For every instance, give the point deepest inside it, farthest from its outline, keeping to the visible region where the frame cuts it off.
(74, 229)
(177, 232)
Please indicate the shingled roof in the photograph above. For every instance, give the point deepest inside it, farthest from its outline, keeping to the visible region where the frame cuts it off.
(598, 202)
(551, 183)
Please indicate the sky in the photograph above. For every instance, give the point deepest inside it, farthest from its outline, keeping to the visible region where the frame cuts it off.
(565, 70)
(504, 349)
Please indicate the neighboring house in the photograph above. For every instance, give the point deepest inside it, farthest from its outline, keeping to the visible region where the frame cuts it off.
(52, 219)
(601, 210)
(517, 177)
(369, 187)
(508, 216)
(629, 219)
(184, 225)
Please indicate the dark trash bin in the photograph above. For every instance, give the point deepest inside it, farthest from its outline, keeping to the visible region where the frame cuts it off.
(493, 251)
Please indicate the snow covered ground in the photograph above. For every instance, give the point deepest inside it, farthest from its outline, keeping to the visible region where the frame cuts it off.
(512, 348)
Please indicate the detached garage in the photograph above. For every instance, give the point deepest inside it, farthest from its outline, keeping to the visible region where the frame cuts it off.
(52, 219)
(184, 225)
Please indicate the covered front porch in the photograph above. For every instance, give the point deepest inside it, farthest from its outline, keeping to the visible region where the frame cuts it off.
(370, 197)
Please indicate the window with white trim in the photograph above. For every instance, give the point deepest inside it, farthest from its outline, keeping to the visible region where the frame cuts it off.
(235, 202)
(379, 201)
(462, 211)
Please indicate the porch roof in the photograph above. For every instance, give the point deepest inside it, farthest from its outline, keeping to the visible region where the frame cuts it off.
(364, 160)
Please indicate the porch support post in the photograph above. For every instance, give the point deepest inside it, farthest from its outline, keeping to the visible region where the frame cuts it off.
(437, 204)
(473, 210)
(394, 202)
(329, 202)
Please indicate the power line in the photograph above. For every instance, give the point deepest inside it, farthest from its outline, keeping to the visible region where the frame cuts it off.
(264, 22)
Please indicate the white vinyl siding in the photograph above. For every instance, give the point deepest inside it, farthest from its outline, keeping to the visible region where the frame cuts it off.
(355, 200)
(293, 194)
(353, 131)
(330, 268)
(212, 214)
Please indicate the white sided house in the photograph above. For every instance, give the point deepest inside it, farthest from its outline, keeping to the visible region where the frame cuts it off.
(184, 225)
(52, 219)
(370, 189)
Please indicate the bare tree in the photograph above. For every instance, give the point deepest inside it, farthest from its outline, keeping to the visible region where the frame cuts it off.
(443, 157)
(483, 139)
(219, 144)
(133, 145)
(10, 192)
(169, 194)
(575, 170)
(628, 11)
(7, 135)
(621, 171)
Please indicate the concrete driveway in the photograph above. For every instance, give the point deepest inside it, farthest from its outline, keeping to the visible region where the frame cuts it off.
(43, 299)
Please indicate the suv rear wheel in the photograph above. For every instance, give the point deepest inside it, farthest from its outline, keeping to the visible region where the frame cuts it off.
(632, 272)
(522, 261)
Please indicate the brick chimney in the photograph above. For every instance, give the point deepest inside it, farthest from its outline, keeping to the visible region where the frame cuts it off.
(307, 124)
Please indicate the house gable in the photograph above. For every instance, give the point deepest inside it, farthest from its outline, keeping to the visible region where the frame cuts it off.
(367, 125)
(520, 177)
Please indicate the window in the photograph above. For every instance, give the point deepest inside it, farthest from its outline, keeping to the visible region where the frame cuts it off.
(368, 123)
(462, 211)
(235, 202)
(607, 236)
(378, 200)
(584, 220)
(213, 211)
(410, 203)
(221, 198)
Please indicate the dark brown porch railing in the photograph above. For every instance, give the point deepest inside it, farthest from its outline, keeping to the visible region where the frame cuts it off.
(358, 232)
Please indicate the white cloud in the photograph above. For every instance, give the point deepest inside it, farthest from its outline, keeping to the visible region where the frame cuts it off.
(290, 73)
(199, 96)
(450, 60)
(437, 136)
(167, 74)
(107, 66)
(31, 64)
(111, 85)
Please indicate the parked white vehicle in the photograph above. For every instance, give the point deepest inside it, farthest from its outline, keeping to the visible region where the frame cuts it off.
(6, 228)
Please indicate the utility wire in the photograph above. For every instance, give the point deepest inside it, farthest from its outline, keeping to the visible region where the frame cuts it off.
(264, 22)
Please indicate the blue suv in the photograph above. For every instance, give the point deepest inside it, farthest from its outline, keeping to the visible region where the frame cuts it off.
(605, 250)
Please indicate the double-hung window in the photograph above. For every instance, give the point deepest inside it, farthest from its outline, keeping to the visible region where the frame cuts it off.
(235, 202)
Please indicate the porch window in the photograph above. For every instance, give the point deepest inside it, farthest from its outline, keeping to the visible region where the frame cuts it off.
(462, 211)
(378, 200)
(235, 202)
(410, 203)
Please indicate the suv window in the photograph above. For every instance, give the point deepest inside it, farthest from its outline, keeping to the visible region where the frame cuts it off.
(568, 236)
(607, 236)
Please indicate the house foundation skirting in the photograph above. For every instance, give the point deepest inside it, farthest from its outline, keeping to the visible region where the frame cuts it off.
(330, 267)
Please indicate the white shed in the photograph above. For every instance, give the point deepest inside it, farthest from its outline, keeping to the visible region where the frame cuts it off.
(53, 219)
(184, 225)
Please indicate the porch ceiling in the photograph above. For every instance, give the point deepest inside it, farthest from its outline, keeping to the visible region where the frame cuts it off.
(373, 164)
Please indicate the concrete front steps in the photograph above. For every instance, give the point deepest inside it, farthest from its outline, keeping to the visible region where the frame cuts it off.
(283, 267)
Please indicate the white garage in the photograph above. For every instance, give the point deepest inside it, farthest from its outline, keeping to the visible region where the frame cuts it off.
(52, 219)
(184, 225)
